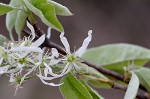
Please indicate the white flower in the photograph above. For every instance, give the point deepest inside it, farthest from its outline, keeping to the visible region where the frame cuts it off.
(48, 72)
(71, 58)
(45, 61)
(20, 55)
(28, 45)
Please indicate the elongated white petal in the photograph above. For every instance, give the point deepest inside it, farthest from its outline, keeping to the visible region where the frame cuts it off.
(76, 66)
(54, 61)
(54, 52)
(67, 69)
(45, 72)
(1, 60)
(32, 30)
(85, 44)
(47, 78)
(28, 73)
(65, 42)
(12, 79)
(50, 70)
(50, 84)
(18, 68)
(3, 69)
(27, 49)
(39, 41)
(49, 33)
(39, 57)
(30, 60)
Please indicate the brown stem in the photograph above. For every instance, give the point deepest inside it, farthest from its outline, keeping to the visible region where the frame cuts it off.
(124, 88)
(60, 49)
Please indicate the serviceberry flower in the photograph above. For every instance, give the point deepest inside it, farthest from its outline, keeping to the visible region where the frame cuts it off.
(48, 61)
(71, 58)
(21, 56)
(24, 59)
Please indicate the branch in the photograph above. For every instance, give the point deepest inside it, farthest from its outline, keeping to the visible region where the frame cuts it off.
(114, 85)
(61, 50)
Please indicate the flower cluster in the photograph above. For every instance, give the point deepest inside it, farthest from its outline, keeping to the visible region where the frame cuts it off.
(25, 59)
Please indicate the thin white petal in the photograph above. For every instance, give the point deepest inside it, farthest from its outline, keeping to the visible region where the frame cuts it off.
(19, 67)
(45, 72)
(50, 70)
(76, 66)
(28, 73)
(65, 42)
(39, 58)
(49, 33)
(85, 44)
(27, 49)
(1, 60)
(32, 30)
(12, 79)
(54, 61)
(46, 78)
(50, 84)
(3, 69)
(54, 52)
(67, 68)
(39, 41)
(30, 60)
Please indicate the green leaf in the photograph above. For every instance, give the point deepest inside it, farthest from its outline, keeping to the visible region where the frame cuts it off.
(94, 72)
(20, 20)
(37, 2)
(72, 88)
(11, 16)
(5, 8)
(98, 84)
(91, 71)
(47, 14)
(15, 3)
(144, 76)
(116, 56)
(2, 40)
(10, 20)
(60, 9)
(93, 92)
(118, 67)
(132, 87)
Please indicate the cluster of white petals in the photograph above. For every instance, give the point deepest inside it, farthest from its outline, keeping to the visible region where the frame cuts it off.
(25, 59)
(71, 58)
